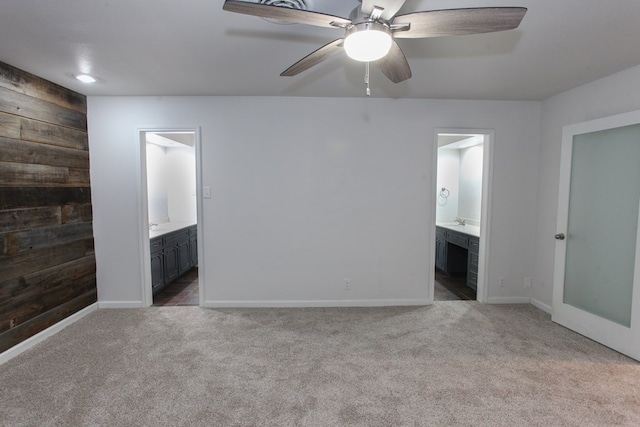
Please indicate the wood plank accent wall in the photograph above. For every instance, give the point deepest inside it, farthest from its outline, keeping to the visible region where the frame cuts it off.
(47, 262)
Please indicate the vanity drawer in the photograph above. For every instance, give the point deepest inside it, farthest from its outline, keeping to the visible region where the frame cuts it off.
(472, 280)
(441, 233)
(176, 236)
(474, 245)
(473, 262)
(156, 244)
(458, 239)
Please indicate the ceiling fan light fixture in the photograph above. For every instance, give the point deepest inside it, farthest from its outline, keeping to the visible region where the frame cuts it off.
(367, 41)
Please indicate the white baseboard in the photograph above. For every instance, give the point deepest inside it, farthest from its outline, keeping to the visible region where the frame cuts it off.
(319, 303)
(120, 304)
(542, 306)
(508, 300)
(43, 335)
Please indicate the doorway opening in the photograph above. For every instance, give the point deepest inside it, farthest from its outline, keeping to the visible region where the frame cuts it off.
(170, 217)
(461, 214)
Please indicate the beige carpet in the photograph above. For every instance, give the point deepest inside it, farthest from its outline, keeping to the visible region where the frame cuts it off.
(453, 363)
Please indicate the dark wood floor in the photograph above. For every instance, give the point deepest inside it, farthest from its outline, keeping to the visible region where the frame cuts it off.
(452, 288)
(184, 291)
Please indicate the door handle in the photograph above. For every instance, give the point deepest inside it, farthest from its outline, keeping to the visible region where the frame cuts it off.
(559, 236)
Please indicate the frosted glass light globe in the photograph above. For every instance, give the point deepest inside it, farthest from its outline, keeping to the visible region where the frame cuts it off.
(367, 41)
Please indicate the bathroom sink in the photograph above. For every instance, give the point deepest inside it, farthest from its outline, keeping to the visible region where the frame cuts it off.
(167, 227)
(467, 229)
(164, 226)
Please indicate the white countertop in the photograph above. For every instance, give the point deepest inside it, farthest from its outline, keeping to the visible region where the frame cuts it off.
(471, 230)
(168, 227)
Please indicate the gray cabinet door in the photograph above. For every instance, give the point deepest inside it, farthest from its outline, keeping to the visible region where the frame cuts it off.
(457, 254)
(172, 255)
(170, 263)
(193, 251)
(441, 254)
(183, 256)
(157, 270)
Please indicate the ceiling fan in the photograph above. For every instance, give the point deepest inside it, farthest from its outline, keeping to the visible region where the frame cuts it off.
(373, 26)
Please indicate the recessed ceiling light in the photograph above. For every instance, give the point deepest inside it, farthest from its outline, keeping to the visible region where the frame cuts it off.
(85, 78)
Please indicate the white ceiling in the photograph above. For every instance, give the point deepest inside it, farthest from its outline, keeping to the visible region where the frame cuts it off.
(193, 47)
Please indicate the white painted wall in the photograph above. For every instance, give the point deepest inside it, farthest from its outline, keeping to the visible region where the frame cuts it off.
(310, 191)
(171, 183)
(460, 172)
(448, 177)
(612, 95)
(470, 203)
(157, 184)
(181, 183)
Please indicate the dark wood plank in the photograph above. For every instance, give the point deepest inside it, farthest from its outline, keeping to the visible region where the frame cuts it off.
(31, 284)
(9, 126)
(16, 103)
(29, 262)
(90, 246)
(37, 131)
(28, 197)
(79, 177)
(31, 295)
(43, 184)
(20, 173)
(14, 243)
(20, 81)
(16, 151)
(22, 219)
(22, 308)
(76, 213)
(21, 332)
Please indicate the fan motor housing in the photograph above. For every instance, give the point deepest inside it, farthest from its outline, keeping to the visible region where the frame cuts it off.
(367, 26)
(292, 4)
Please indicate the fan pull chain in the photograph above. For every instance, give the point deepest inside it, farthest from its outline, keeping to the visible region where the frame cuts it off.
(366, 78)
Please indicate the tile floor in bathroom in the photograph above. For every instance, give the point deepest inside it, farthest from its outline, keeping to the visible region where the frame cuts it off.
(452, 288)
(184, 291)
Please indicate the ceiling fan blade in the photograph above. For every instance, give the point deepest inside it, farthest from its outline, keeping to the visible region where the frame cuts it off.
(285, 14)
(394, 64)
(314, 58)
(458, 22)
(391, 7)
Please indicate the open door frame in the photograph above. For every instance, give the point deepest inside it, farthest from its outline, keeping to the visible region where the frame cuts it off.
(143, 212)
(485, 220)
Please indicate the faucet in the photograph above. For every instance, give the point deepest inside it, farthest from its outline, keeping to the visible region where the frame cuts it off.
(152, 224)
(459, 221)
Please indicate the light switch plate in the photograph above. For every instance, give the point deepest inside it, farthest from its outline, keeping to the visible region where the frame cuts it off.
(206, 192)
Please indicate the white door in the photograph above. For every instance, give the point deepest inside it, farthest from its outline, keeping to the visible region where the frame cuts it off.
(596, 290)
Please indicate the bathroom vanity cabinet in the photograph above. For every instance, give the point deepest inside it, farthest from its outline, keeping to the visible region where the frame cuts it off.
(457, 253)
(172, 255)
